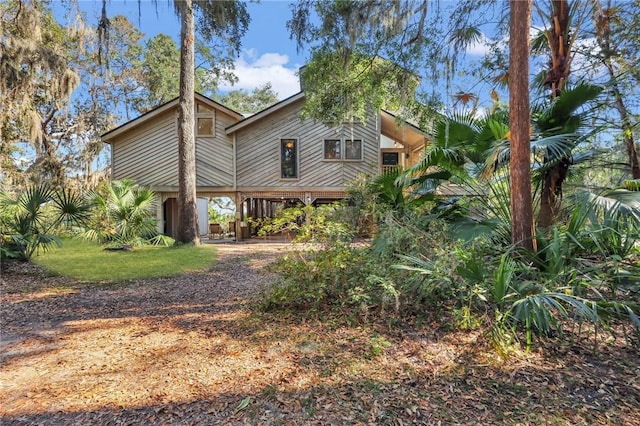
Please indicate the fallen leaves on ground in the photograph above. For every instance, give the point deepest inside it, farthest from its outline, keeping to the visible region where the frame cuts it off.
(189, 350)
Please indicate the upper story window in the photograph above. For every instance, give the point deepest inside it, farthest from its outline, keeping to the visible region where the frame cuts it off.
(353, 149)
(204, 120)
(332, 149)
(289, 158)
(337, 149)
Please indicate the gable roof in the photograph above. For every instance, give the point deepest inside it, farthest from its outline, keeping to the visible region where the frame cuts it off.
(106, 137)
(300, 95)
(265, 112)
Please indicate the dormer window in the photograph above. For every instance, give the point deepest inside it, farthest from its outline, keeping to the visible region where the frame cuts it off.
(204, 121)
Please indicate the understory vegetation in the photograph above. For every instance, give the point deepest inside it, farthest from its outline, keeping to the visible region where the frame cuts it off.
(117, 215)
(440, 248)
(451, 263)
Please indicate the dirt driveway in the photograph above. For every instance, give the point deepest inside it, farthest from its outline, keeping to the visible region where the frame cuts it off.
(87, 355)
(189, 351)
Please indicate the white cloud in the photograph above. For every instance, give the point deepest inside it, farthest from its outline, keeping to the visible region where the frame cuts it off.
(253, 71)
(478, 47)
(271, 59)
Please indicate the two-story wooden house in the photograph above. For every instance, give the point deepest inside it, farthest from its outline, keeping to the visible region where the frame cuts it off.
(262, 161)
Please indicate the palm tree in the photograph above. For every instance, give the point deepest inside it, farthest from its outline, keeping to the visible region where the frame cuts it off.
(30, 220)
(560, 126)
(125, 215)
(564, 23)
(459, 152)
(474, 151)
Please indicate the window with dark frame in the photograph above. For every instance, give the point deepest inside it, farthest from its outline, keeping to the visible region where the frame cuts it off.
(353, 149)
(332, 149)
(289, 158)
(390, 159)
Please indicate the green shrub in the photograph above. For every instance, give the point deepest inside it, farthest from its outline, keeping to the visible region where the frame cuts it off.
(365, 278)
(123, 216)
(31, 220)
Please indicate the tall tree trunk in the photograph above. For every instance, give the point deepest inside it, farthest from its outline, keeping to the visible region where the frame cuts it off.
(187, 204)
(627, 128)
(522, 229)
(603, 31)
(560, 44)
(559, 68)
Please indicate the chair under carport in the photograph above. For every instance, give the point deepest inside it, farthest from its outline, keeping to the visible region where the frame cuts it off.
(215, 229)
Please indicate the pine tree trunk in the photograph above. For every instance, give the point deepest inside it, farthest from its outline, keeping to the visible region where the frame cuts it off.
(627, 127)
(603, 26)
(522, 230)
(187, 204)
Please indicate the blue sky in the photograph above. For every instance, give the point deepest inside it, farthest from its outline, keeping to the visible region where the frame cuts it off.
(268, 55)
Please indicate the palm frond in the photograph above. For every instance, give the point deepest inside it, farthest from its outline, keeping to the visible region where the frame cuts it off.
(415, 264)
(618, 203)
(72, 207)
(562, 115)
(556, 147)
(541, 311)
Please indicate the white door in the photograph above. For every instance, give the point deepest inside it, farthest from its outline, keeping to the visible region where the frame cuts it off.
(203, 216)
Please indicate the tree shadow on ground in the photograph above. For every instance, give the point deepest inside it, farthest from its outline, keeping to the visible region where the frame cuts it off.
(268, 369)
(420, 399)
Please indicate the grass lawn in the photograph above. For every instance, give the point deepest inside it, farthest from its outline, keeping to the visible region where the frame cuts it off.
(88, 261)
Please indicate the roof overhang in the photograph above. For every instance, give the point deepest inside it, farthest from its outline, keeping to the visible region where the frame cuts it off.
(401, 130)
(108, 136)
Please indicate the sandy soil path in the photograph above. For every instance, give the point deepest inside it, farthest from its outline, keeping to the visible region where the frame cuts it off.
(82, 355)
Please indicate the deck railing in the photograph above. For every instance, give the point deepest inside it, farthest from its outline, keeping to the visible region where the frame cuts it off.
(387, 170)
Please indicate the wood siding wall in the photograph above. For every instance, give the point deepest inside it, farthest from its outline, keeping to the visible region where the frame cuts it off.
(149, 154)
(258, 148)
(214, 156)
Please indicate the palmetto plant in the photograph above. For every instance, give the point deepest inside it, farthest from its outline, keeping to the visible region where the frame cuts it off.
(561, 126)
(124, 215)
(35, 215)
(584, 271)
(470, 150)
(458, 151)
(576, 270)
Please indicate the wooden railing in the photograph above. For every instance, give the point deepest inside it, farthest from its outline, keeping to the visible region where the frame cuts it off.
(387, 170)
